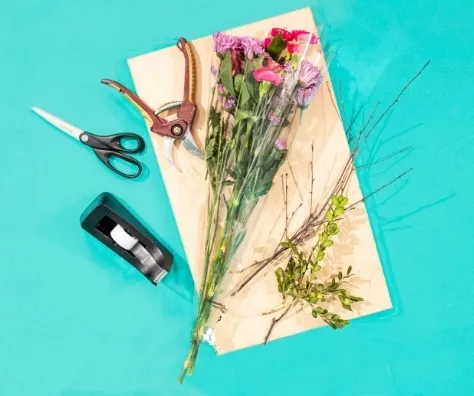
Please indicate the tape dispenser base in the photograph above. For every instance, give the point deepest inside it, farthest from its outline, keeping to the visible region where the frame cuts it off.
(110, 222)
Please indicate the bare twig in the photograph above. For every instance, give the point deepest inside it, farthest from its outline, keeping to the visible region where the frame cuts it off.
(341, 96)
(398, 98)
(221, 307)
(284, 187)
(275, 321)
(386, 158)
(379, 189)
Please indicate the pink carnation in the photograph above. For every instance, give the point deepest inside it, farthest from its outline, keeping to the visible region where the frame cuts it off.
(262, 74)
(269, 72)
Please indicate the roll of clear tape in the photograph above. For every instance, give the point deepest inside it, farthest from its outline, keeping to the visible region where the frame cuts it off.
(127, 242)
(122, 238)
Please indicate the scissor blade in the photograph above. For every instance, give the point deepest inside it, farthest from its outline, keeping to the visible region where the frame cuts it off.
(190, 145)
(64, 126)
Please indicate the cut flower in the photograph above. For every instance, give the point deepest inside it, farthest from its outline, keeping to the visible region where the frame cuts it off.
(250, 46)
(270, 72)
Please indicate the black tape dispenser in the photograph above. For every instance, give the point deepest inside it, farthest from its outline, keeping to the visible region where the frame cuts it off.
(111, 223)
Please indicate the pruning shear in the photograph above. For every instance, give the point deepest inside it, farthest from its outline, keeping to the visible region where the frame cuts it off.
(179, 128)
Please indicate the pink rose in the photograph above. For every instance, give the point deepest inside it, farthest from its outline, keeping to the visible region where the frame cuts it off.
(302, 35)
(267, 41)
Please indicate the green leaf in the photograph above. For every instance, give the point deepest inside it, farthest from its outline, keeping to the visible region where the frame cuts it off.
(320, 255)
(238, 82)
(343, 201)
(329, 215)
(316, 267)
(244, 96)
(333, 229)
(228, 183)
(242, 115)
(252, 86)
(276, 47)
(254, 64)
(210, 148)
(335, 200)
(315, 313)
(263, 187)
(313, 298)
(356, 299)
(226, 73)
(327, 243)
(285, 245)
(349, 270)
(339, 211)
(339, 275)
(323, 237)
(214, 117)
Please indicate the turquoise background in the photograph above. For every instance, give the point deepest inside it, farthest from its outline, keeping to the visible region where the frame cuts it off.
(75, 320)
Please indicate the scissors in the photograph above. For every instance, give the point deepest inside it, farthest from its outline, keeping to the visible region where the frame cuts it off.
(105, 147)
(179, 128)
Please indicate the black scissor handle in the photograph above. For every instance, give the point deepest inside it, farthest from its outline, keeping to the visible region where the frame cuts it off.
(105, 156)
(113, 142)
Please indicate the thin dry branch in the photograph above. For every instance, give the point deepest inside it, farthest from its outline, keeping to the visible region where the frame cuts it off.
(275, 321)
(314, 221)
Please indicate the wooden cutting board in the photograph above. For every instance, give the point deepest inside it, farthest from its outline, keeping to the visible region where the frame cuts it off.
(158, 78)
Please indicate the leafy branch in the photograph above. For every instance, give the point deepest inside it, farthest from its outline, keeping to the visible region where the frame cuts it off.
(299, 281)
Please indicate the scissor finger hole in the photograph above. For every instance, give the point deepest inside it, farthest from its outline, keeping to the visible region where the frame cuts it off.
(123, 166)
(129, 143)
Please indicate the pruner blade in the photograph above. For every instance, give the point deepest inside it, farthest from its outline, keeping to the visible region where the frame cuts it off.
(190, 145)
(188, 141)
(168, 144)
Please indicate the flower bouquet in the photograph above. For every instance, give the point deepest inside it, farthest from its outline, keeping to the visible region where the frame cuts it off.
(262, 88)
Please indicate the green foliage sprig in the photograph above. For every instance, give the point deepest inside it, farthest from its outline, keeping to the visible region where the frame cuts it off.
(299, 281)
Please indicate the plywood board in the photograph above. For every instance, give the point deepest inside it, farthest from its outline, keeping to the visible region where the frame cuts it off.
(158, 78)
